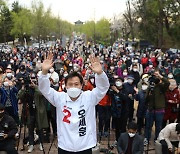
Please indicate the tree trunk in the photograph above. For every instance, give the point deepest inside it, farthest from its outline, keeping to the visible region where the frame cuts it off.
(160, 30)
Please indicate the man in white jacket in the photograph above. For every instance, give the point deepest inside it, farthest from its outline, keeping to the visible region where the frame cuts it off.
(76, 122)
(170, 136)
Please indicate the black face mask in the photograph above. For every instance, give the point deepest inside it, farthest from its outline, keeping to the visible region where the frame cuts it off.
(1, 114)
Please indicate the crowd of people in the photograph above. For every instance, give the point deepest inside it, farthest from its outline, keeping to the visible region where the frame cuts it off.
(149, 77)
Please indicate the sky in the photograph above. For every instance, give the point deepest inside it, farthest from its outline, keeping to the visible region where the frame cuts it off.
(84, 10)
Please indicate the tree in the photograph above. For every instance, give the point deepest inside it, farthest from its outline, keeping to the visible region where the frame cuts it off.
(5, 22)
(103, 31)
(22, 24)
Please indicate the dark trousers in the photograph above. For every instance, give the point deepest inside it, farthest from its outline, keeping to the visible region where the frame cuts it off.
(165, 146)
(104, 118)
(140, 123)
(31, 128)
(131, 110)
(52, 119)
(8, 145)
(120, 126)
(61, 151)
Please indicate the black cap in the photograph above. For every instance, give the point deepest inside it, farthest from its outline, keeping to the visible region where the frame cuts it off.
(2, 107)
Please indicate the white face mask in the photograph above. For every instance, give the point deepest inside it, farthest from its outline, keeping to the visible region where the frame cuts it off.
(9, 75)
(135, 69)
(92, 80)
(150, 66)
(145, 79)
(125, 73)
(65, 75)
(131, 134)
(118, 84)
(136, 61)
(170, 76)
(112, 68)
(6, 84)
(74, 92)
(70, 64)
(51, 70)
(11, 61)
(144, 87)
(130, 81)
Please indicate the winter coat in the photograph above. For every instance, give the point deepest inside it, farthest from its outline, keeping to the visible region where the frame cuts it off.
(12, 96)
(142, 106)
(174, 96)
(169, 134)
(156, 97)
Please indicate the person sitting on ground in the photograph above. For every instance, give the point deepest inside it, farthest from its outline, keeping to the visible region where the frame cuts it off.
(130, 142)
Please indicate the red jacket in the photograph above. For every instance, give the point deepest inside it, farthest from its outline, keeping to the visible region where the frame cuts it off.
(144, 60)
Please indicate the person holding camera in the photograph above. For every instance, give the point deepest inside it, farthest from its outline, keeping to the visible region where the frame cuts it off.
(156, 104)
(76, 120)
(21, 76)
(172, 101)
(8, 129)
(29, 97)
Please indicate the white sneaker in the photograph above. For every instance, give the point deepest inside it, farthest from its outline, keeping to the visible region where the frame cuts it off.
(30, 149)
(40, 147)
(145, 141)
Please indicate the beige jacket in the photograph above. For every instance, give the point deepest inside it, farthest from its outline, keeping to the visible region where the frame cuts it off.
(169, 134)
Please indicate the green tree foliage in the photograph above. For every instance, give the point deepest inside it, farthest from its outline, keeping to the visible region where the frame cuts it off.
(160, 21)
(22, 24)
(103, 31)
(5, 22)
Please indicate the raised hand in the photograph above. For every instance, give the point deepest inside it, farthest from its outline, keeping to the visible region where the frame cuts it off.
(95, 65)
(47, 63)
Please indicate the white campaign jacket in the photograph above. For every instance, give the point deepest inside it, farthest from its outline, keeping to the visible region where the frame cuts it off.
(76, 121)
(169, 134)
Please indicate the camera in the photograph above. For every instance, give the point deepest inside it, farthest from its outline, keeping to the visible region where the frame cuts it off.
(152, 82)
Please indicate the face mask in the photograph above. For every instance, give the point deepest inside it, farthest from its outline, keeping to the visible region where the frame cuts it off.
(125, 73)
(92, 81)
(135, 69)
(6, 84)
(118, 84)
(1, 114)
(51, 70)
(112, 68)
(144, 87)
(130, 81)
(9, 75)
(170, 76)
(171, 88)
(65, 75)
(136, 61)
(70, 64)
(150, 66)
(11, 61)
(145, 79)
(131, 134)
(73, 92)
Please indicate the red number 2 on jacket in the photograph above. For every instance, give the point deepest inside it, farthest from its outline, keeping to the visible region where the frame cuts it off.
(68, 114)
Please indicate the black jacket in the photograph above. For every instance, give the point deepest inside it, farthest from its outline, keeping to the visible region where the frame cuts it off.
(8, 126)
(137, 145)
